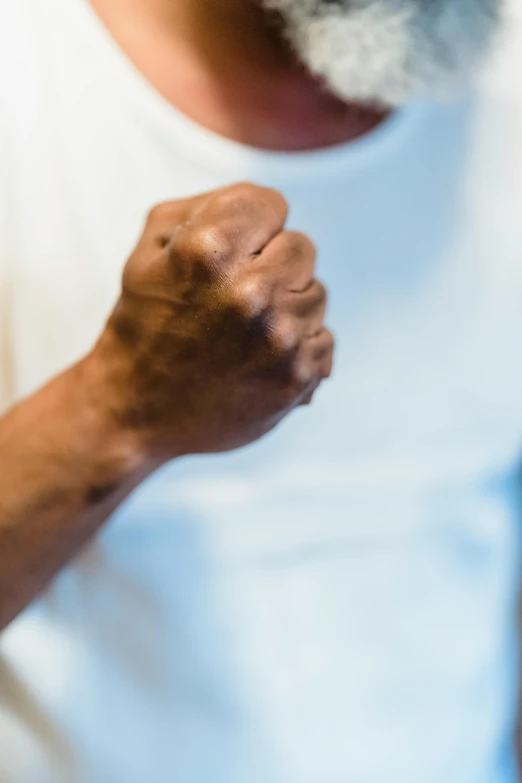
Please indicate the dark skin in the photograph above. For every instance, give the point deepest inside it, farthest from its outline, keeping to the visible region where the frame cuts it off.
(217, 335)
(218, 332)
(238, 75)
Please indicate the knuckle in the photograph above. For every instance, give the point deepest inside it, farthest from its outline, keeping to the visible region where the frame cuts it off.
(245, 190)
(213, 244)
(303, 373)
(324, 344)
(299, 244)
(205, 248)
(252, 299)
(238, 196)
(244, 195)
(277, 198)
(314, 299)
(283, 338)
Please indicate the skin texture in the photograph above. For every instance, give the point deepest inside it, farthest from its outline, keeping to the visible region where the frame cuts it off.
(219, 312)
(211, 344)
(217, 335)
(226, 65)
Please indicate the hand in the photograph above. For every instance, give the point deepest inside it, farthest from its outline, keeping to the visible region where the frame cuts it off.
(218, 332)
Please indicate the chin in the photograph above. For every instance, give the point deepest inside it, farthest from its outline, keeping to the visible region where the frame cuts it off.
(386, 53)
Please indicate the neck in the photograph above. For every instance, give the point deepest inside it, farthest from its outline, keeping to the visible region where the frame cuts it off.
(225, 64)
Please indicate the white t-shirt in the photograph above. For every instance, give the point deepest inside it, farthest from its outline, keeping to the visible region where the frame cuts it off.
(335, 604)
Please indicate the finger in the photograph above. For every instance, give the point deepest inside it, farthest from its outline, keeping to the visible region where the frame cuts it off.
(321, 347)
(290, 257)
(248, 217)
(164, 219)
(319, 350)
(324, 370)
(313, 364)
(309, 307)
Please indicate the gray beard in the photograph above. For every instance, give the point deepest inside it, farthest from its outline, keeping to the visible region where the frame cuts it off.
(386, 52)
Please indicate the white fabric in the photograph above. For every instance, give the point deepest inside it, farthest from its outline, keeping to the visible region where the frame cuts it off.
(336, 603)
(6, 392)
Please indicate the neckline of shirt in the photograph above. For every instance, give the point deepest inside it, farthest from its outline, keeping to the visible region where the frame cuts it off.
(220, 153)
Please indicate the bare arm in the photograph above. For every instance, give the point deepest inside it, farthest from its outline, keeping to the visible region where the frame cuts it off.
(217, 335)
(64, 468)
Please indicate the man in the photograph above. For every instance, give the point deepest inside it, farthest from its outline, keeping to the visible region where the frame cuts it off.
(336, 602)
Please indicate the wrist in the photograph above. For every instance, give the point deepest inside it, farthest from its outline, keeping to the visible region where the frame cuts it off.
(99, 409)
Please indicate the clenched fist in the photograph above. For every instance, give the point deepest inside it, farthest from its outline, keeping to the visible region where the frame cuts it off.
(219, 330)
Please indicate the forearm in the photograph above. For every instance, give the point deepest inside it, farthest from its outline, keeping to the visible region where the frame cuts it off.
(65, 465)
(217, 335)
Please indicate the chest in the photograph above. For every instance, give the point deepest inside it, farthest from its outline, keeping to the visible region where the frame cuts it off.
(421, 251)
